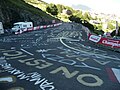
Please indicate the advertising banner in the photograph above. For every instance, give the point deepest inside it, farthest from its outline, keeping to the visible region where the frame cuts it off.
(110, 42)
(94, 38)
(104, 41)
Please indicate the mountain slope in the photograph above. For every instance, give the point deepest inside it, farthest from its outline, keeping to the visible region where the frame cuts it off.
(37, 3)
(12, 11)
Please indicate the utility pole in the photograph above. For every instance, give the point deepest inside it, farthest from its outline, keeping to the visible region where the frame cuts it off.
(117, 28)
(1, 28)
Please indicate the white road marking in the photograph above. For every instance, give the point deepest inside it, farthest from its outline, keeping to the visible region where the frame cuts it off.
(6, 79)
(27, 52)
(109, 57)
(116, 73)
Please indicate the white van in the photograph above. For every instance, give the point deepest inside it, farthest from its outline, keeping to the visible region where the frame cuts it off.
(21, 26)
(1, 28)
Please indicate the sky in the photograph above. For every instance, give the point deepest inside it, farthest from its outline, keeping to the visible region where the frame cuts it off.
(106, 6)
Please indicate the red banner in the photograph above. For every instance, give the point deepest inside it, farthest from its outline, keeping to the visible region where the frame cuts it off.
(104, 41)
(110, 42)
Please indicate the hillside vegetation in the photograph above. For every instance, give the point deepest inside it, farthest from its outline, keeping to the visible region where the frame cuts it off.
(67, 14)
(12, 11)
(40, 13)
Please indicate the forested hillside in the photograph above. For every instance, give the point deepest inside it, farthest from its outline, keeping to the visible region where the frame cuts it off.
(12, 11)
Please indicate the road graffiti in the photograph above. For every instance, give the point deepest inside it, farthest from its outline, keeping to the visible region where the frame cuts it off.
(39, 64)
(7, 79)
(98, 82)
(35, 77)
(64, 69)
(84, 57)
(102, 62)
(66, 72)
(52, 40)
(43, 64)
(27, 52)
(89, 48)
(58, 54)
(70, 62)
(85, 53)
(16, 53)
(80, 77)
(70, 34)
(16, 88)
(16, 39)
(44, 50)
(13, 54)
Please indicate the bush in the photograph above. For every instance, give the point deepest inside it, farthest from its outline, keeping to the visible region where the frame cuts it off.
(52, 8)
(88, 25)
(75, 19)
(99, 32)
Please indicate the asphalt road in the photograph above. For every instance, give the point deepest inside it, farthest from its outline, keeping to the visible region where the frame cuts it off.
(59, 58)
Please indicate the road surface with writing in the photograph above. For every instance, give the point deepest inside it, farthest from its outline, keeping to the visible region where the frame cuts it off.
(59, 58)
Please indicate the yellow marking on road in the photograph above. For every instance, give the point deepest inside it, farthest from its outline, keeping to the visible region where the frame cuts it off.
(102, 62)
(16, 57)
(23, 61)
(82, 59)
(65, 71)
(8, 51)
(42, 66)
(16, 88)
(81, 80)
(2, 49)
(17, 53)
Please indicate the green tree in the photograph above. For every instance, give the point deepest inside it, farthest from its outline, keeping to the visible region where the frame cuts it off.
(78, 14)
(74, 18)
(114, 33)
(69, 8)
(99, 32)
(60, 8)
(99, 27)
(88, 25)
(86, 16)
(52, 8)
(111, 26)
